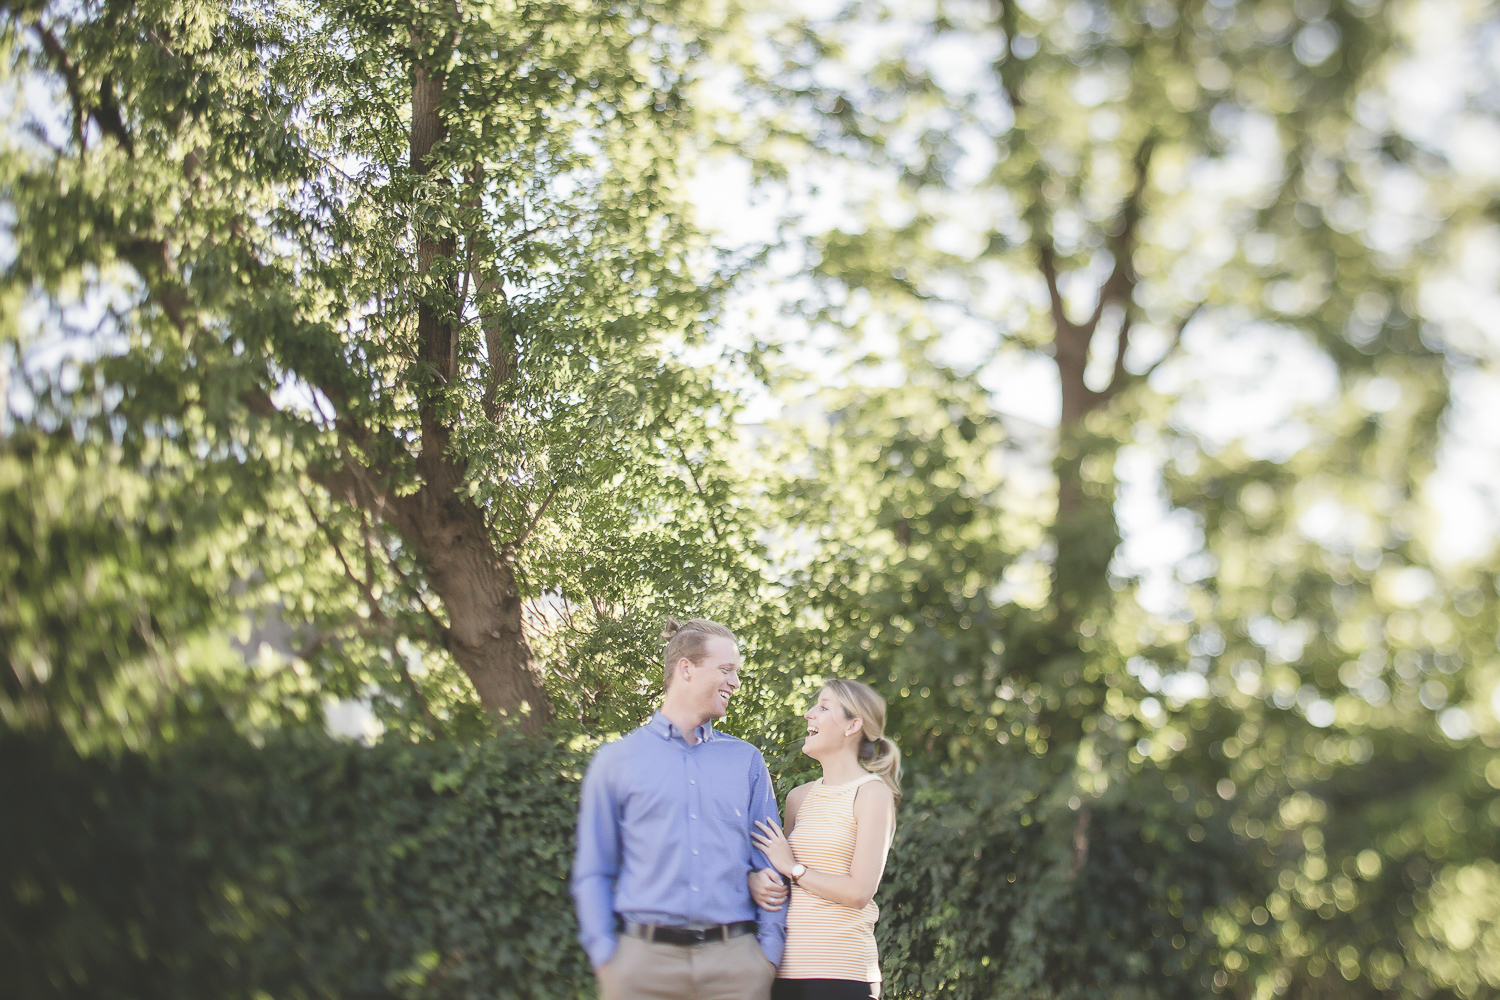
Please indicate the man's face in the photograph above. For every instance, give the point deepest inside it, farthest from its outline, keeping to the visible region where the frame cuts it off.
(714, 678)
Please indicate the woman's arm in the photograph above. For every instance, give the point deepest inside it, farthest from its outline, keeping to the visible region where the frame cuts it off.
(767, 889)
(874, 814)
(794, 802)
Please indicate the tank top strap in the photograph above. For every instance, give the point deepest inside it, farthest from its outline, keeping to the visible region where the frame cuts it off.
(862, 781)
(823, 788)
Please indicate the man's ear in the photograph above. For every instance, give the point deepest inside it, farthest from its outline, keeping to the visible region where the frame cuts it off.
(683, 666)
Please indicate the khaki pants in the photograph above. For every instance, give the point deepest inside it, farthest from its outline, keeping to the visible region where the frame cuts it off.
(717, 970)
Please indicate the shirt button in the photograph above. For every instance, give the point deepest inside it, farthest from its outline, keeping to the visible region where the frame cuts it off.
(695, 888)
(695, 853)
(692, 816)
(691, 781)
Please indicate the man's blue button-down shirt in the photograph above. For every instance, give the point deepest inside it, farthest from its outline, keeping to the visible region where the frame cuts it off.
(664, 836)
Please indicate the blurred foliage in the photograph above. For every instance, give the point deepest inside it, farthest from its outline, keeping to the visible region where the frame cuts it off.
(107, 590)
(300, 867)
(1355, 788)
(1133, 194)
(1271, 773)
(984, 898)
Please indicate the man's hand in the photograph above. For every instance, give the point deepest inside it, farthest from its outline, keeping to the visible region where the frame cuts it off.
(767, 889)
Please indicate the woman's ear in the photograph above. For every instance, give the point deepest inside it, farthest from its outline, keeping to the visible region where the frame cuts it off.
(855, 725)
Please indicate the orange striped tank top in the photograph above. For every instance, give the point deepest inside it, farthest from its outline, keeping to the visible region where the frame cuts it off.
(827, 940)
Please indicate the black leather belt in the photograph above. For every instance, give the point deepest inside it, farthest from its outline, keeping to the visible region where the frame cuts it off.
(685, 935)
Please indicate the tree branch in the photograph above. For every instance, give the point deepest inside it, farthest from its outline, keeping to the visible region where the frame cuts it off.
(1119, 287)
(1119, 377)
(350, 482)
(1007, 70)
(501, 353)
(105, 114)
(437, 331)
(1120, 284)
(59, 56)
(520, 540)
(1130, 211)
(443, 631)
(1047, 258)
(713, 522)
(1080, 842)
(1175, 344)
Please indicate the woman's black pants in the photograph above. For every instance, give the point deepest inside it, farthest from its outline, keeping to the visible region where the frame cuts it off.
(820, 989)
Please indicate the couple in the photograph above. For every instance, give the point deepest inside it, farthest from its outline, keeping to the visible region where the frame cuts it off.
(678, 841)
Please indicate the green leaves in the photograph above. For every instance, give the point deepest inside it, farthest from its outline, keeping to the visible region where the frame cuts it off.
(413, 277)
(968, 915)
(111, 606)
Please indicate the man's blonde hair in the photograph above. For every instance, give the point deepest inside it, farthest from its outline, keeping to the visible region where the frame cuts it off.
(688, 639)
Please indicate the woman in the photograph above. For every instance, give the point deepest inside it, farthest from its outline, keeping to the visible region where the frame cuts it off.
(838, 830)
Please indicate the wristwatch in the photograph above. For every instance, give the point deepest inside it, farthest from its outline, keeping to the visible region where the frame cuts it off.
(798, 870)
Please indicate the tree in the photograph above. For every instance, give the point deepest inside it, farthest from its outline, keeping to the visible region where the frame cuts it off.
(1132, 191)
(408, 280)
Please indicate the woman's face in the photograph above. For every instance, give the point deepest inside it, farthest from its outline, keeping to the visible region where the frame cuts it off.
(828, 728)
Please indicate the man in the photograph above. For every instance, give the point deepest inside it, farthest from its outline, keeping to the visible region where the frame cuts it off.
(664, 849)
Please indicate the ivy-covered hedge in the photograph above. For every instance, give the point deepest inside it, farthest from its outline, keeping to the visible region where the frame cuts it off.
(309, 867)
(304, 868)
(1003, 884)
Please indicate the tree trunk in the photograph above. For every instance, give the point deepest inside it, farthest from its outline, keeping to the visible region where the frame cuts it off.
(447, 531)
(477, 583)
(1085, 536)
(435, 332)
(1084, 531)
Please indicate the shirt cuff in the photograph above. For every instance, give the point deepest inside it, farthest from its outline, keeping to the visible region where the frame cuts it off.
(772, 945)
(602, 950)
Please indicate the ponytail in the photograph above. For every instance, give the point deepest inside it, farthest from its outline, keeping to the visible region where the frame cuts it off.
(881, 756)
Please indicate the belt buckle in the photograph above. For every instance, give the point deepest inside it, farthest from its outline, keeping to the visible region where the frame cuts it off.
(699, 934)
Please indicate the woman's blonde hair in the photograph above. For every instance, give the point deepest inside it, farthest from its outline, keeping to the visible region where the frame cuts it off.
(878, 753)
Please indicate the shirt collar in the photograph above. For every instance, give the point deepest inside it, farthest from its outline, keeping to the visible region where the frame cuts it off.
(667, 730)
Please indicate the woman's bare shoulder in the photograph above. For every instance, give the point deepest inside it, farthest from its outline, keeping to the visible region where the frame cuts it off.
(794, 799)
(874, 795)
(800, 792)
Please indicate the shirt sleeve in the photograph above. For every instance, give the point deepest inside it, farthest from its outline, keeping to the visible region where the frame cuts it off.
(770, 926)
(596, 865)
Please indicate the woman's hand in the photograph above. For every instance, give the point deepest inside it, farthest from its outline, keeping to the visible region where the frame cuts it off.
(767, 889)
(773, 844)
